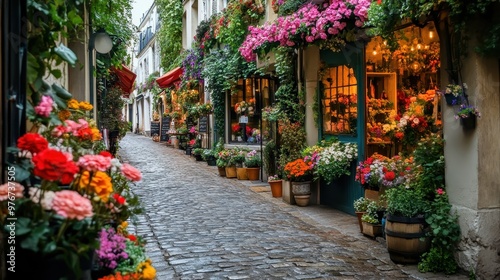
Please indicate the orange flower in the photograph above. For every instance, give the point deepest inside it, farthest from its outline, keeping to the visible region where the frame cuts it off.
(100, 184)
(298, 169)
(74, 104)
(64, 115)
(96, 134)
(85, 106)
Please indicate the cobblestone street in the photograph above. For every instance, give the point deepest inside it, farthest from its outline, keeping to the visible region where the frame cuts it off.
(202, 226)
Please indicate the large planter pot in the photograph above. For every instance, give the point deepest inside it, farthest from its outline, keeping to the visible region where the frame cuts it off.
(231, 172)
(198, 157)
(222, 171)
(301, 192)
(253, 173)
(276, 188)
(241, 173)
(406, 238)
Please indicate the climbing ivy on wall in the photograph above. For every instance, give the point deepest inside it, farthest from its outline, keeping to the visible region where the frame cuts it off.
(170, 33)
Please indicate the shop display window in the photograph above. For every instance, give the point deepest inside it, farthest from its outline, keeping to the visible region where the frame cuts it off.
(339, 100)
(402, 104)
(245, 112)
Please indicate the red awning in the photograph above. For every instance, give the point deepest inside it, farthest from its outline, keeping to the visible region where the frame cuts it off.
(126, 79)
(169, 78)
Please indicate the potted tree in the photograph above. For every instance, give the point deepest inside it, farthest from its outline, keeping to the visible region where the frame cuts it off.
(253, 162)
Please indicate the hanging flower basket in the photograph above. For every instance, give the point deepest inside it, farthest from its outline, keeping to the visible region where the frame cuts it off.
(451, 99)
(468, 123)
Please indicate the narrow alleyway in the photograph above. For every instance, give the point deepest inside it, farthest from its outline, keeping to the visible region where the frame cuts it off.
(201, 226)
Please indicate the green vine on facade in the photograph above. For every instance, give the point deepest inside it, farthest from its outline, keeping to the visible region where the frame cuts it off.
(287, 97)
(170, 33)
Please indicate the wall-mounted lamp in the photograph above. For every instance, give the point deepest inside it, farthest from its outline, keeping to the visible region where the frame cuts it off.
(101, 42)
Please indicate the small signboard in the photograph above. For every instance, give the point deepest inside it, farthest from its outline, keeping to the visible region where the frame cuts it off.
(155, 128)
(243, 119)
(165, 126)
(203, 124)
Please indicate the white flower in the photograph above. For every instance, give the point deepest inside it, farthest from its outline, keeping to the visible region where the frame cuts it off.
(403, 122)
(46, 201)
(416, 120)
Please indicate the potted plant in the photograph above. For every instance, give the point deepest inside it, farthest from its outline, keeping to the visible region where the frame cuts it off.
(253, 162)
(360, 207)
(224, 159)
(300, 174)
(237, 159)
(276, 185)
(372, 225)
(405, 226)
(197, 153)
(468, 115)
(209, 156)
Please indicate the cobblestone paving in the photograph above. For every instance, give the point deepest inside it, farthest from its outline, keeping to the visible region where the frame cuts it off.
(201, 226)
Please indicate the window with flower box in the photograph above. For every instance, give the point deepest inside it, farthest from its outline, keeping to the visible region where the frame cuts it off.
(245, 110)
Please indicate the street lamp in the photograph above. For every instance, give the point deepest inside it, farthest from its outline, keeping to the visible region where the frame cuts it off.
(101, 42)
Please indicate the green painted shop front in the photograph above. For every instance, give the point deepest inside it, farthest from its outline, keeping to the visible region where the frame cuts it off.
(341, 193)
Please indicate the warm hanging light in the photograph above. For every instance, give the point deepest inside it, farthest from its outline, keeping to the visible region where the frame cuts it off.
(419, 46)
(374, 51)
(385, 42)
(431, 34)
(412, 48)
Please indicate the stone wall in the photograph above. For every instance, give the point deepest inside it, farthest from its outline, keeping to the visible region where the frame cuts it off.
(473, 166)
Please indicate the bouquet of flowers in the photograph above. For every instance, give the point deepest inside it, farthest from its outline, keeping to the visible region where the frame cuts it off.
(244, 108)
(236, 129)
(253, 159)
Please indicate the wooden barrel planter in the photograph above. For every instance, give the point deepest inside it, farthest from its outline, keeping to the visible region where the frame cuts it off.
(406, 238)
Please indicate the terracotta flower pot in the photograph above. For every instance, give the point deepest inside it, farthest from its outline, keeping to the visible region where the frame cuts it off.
(222, 171)
(276, 188)
(253, 173)
(241, 173)
(230, 172)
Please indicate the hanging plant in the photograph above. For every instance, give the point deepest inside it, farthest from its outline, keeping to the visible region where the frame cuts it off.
(170, 12)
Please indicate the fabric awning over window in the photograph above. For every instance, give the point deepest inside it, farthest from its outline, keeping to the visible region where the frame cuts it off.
(169, 78)
(126, 79)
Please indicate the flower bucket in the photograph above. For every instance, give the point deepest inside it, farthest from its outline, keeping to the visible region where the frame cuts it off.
(468, 123)
(451, 99)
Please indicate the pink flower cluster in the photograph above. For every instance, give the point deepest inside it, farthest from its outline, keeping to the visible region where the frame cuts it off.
(130, 172)
(308, 24)
(44, 107)
(94, 162)
(72, 127)
(72, 205)
(10, 191)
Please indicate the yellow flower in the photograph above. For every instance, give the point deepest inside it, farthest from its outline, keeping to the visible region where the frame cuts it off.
(96, 134)
(148, 271)
(100, 184)
(73, 104)
(85, 106)
(64, 115)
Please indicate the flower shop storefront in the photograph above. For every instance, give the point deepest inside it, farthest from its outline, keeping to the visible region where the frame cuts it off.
(247, 104)
(383, 100)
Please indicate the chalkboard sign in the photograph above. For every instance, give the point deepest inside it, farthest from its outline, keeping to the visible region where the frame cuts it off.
(203, 124)
(165, 126)
(155, 128)
(189, 123)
